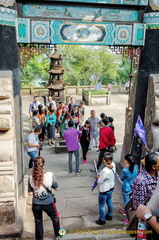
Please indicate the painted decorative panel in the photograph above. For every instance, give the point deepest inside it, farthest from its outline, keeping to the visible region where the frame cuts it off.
(123, 34)
(132, 2)
(40, 32)
(23, 30)
(7, 3)
(152, 17)
(79, 13)
(7, 16)
(152, 26)
(84, 33)
(143, 2)
(154, 4)
(125, 2)
(138, 34)
(81, 33)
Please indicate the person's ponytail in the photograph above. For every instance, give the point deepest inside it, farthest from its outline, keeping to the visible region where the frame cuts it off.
(38, 171)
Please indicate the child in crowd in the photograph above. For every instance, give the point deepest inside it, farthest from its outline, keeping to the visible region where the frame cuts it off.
(85, 139)
(50, 124)
(75, 116)
(128, 175)
(106, 181)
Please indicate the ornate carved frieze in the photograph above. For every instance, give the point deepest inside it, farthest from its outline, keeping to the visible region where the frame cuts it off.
(7, 16)
(94, 14)
(7, 3)
(152, 17)
(154, 4)
(61, 32)
(7, 150)
(113, 2)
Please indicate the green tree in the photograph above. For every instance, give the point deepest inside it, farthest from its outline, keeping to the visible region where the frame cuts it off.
(85, 63)
(35, 70)
(124, 71)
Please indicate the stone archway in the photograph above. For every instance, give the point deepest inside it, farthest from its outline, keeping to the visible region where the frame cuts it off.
(128, 31)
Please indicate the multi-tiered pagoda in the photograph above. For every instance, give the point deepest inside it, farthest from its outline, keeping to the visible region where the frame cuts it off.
(56, 83)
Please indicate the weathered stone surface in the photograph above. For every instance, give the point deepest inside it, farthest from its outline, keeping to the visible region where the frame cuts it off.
(7, 214)
(6, 151)
(5, 87)
(5, 108)
(6, 184)
(6, 121)
(7, 135)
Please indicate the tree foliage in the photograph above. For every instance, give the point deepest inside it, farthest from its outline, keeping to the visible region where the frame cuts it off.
(35, 70)
(83, 65)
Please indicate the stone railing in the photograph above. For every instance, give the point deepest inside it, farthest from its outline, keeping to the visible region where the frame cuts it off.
(96, 99)
(71, 90)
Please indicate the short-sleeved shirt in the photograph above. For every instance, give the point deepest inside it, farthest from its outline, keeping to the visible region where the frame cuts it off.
(143, 188)
(33, 106)
(40, 194)
(71, 138)
(33, 139)
(94, 124)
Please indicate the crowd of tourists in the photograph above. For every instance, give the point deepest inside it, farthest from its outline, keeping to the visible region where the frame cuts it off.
(68, 121)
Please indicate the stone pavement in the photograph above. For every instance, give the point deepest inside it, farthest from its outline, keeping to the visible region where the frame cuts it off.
(76, 204)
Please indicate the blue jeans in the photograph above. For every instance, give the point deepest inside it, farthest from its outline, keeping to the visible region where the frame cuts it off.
(76, 153)
(33, 155)
(126, 197)
(104, 198)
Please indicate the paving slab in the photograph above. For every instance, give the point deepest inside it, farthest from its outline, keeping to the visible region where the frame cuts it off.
(76, 204)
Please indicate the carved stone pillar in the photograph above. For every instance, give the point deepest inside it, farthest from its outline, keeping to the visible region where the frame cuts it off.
(11, 149)
(149, 64)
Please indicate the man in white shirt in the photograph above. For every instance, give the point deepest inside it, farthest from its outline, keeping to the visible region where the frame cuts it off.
(33, 145)
(50, 100)
(106, 181)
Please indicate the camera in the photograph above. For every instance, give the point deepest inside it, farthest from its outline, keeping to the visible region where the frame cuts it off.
(41, 146)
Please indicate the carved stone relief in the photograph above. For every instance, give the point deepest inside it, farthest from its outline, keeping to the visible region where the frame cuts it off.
(152, 113)
(7, 152)
(129, 121)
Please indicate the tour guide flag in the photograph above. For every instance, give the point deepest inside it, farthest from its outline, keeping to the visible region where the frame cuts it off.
(139, 130)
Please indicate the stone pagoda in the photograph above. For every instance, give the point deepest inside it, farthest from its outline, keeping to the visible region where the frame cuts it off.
(56, 83)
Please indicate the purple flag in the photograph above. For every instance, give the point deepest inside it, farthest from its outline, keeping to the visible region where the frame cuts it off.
(139, 130)
(96, 180)
(95, 184)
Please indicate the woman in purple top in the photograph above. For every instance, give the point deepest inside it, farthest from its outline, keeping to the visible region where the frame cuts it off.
(85, 139)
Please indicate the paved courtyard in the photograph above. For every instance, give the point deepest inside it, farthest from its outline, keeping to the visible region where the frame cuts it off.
(77, 205)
